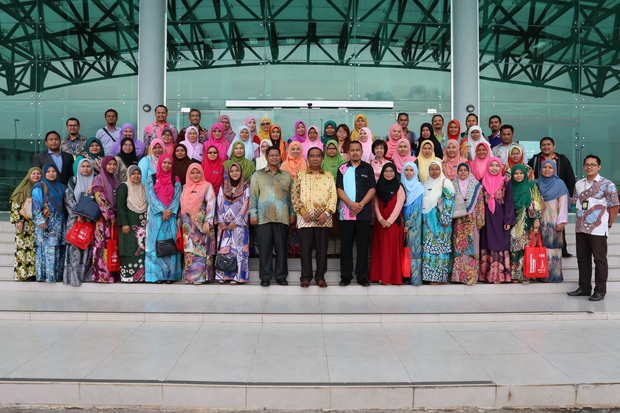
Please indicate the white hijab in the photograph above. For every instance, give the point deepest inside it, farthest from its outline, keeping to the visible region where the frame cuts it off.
(473, 143)
(433, 188)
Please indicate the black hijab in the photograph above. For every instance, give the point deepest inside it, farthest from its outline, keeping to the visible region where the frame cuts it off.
(387, 189)
(436, 143)
(128, 158)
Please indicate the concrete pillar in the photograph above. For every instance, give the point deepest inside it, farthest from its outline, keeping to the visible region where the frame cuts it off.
(152, 55)
(465, 54)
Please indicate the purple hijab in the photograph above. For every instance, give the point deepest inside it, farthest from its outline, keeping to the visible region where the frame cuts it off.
(299, 138)
(228, 134)
(106, 183)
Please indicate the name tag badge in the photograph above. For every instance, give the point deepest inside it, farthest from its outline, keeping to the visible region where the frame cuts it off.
(584, 205)
(364, 176)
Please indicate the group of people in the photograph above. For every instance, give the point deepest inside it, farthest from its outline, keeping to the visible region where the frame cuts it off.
(193, 205)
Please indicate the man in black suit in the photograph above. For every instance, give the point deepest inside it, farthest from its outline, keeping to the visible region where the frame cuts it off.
(54, 156)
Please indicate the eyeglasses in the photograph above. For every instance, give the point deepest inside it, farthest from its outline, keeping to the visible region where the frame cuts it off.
(590, 165)
(212, 153)
(265, 124)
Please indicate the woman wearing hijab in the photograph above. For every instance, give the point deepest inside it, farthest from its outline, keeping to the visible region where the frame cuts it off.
(466, 229)
(554, 217)
(360, 122)
(167, 137)
(275, 136)
(265, 128)
(229, 134)
(294, 161)
(192, 138)
(148, 164)
(454, 131)
(233, 205)
(387, 240)
(213, 167)
(365, 137)
(24, 267)
(396, 136)
(480, 164)
(300, 133)
(329, 131)
(104, 188)
(181, 162)
(250, 122)
(128, 131)
(426, 156)
(196, 222)
(312, 141)
(243, 136)
(437, 207)
(474, 138)
(412, 219)
(238, 156)
(379, 149)
(131, 206)
(125, 159)
(93, 150)
(499, 217)
(163, 194)
(515, 157)
(451, 159)
(216, 138)
(528, 212)
(427, 134)
(333, 158)
(261, 161)
(402, 155)
(78, 262)
(49, 218)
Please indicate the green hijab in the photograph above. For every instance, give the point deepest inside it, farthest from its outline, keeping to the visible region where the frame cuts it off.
(101, 154)
(331, 163)
(520, 190)
(24, 189)
(247, 166)
(325, 138)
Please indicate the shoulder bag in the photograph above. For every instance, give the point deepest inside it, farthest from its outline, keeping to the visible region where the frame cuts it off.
(224, 263)
(87, 206)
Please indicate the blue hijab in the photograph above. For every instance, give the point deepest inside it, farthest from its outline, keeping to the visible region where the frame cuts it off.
(413, 187)
(553, 187)
(55, 189)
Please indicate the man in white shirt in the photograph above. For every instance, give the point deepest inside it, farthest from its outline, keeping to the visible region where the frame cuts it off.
(597, 204)
(109, 134)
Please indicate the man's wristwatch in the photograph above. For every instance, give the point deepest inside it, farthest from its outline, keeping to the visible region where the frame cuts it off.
(327, 213)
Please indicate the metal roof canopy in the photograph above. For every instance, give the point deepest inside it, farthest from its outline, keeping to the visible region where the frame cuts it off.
(542, 43)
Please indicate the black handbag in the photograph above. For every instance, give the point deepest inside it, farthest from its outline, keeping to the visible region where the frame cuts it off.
(166, 247)
(88, 207)
(224, 263)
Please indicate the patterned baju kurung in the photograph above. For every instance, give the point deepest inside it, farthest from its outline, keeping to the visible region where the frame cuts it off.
(465, 244)
(78, 262)
(131, 247)
(103, 229)
(412, 219)
(235, 242)
(161, 268)
(24, 266)
(437, 240)
(50, 242)
(520, 234)
(199, 248)
(556, 212)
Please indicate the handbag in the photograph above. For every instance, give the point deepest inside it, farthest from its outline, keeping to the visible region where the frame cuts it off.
(87, 207)
(406, 262)
(26, 209)
(460, 210)
(535, 264)
(179, 241)
(114, 259)
(166, 247)
(81, 234)
(224, 263)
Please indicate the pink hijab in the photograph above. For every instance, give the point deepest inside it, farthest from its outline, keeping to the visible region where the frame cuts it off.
(393, 143)
(367, 155)
(400, 160)
(227, 134)
(308, 144)
(246, 122)
(480, 166)
(220, 144)
(492, 183)
(193, 192)
(450, 164)
(299, 138)
(164, 187)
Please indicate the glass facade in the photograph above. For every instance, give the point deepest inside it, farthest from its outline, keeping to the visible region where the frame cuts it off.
(549, 68)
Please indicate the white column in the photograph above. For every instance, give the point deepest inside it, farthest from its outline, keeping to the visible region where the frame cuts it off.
(465, 53)
(151, 60)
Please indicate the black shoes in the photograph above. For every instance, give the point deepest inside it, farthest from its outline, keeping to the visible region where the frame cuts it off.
(344, 283)
(578, 293)
(264, 283)
(365, 284)
(596, 297)
(282, 282)
(567, 255)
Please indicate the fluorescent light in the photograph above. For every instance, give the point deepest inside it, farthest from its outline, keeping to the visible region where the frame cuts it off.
(365, 104)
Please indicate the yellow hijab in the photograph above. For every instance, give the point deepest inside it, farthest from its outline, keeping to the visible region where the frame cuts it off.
(356, 131)
(261, 133)
(425, 162)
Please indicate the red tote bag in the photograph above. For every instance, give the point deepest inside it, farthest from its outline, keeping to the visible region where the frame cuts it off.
(535, 263)
(81, 234)
(114, 258)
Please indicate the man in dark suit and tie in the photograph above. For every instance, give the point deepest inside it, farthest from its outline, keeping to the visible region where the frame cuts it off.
(53, 155)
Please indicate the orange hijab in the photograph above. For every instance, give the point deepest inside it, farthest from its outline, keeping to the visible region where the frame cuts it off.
(292, 165)
(281, 146)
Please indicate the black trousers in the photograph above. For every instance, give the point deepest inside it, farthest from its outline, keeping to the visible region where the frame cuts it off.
(319, 237)
(589, 246)
(358, 232)
(269, 236)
